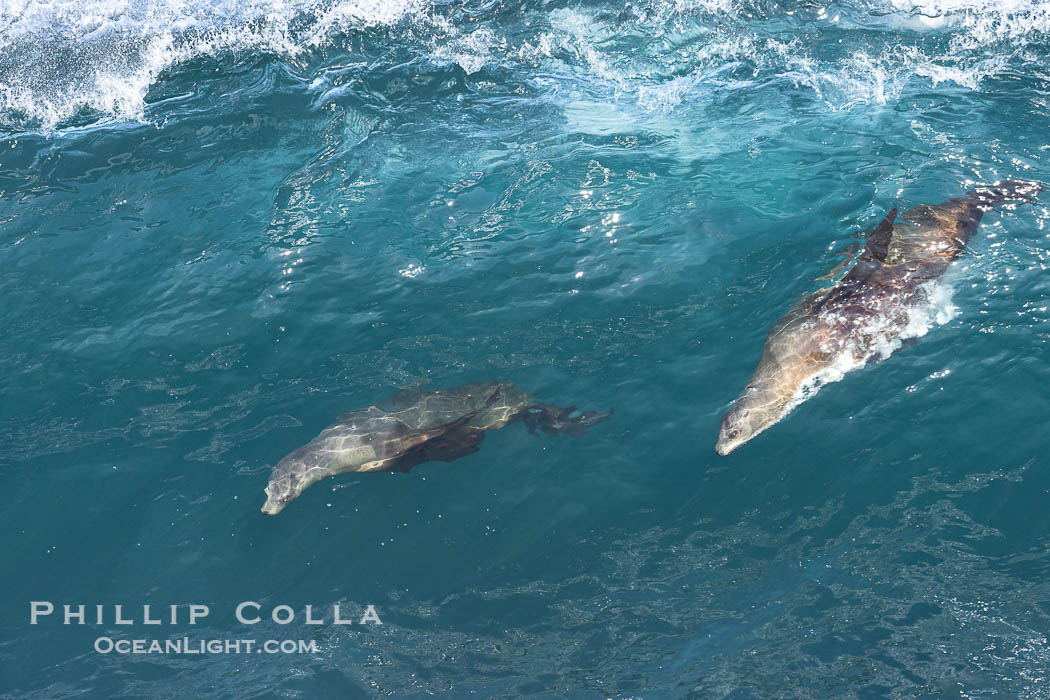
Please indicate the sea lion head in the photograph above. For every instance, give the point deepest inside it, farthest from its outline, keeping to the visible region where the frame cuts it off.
(752, 413)
(282, 489)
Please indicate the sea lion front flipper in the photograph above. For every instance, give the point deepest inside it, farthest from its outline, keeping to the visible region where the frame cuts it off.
(446, 448)
(443, 443)
(878, 244)
(456, 444)
(873, 255)
(847, 254)
(409, 448)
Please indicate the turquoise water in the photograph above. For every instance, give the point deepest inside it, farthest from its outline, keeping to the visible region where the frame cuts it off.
(224, 225)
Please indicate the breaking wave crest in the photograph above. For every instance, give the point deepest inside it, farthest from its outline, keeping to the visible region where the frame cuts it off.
(75, 61)
(60, 57)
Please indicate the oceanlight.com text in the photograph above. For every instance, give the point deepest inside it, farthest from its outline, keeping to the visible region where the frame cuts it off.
(108, 645)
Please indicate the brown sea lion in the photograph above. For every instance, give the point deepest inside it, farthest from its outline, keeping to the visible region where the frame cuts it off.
(416, 427)
(865, 314)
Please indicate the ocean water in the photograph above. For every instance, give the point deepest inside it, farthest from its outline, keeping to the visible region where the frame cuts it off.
(224, 224)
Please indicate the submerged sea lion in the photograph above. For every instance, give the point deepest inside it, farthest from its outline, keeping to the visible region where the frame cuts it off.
(416, 427)
(865, 314)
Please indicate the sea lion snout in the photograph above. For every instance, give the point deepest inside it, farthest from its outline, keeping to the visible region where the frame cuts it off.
(272, 507)
(730, 436)
(279, 493)
(727, 442)
(749, 415)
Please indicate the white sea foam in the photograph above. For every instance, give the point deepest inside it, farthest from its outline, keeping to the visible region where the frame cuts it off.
(471, 52)
(721, 44)
(863, 78)
(860, 79)
(58, 57)
(977, 23)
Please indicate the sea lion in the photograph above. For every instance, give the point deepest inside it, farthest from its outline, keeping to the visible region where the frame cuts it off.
(415, 427)
(865, 314)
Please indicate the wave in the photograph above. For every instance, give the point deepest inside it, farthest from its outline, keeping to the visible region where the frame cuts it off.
(66, 62)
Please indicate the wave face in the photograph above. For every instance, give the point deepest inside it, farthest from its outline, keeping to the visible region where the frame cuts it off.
(225, 223)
